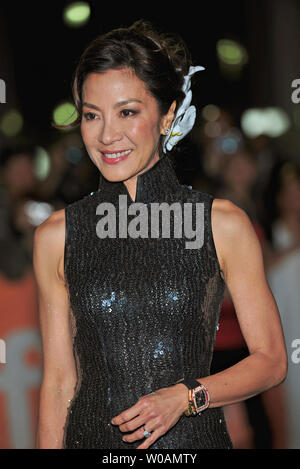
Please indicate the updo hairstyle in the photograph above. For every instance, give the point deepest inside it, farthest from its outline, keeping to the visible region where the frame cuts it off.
(160, 61)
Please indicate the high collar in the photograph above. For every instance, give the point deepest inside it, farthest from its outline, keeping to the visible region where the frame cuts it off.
(152, 185)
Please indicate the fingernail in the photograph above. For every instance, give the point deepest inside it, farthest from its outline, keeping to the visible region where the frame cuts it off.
(113, 423)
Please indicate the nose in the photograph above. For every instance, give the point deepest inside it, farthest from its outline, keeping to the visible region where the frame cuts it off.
(110, 132)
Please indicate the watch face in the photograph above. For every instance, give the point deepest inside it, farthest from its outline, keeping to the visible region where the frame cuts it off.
(200, 398)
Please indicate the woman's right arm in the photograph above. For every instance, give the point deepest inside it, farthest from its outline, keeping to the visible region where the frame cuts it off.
(59, 370)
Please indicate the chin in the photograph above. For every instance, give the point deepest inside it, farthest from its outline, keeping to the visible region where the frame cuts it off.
(116, 174)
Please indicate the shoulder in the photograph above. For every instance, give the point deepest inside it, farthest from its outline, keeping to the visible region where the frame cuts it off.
(51, 229)
(228, 213)
(232, 229)
(230, 218)
(49, 241)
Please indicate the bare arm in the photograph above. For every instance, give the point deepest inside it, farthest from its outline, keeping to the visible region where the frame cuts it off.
(59, 372)
(256, 309)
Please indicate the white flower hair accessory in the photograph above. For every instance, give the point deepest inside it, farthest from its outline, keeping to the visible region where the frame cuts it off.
(185, 116)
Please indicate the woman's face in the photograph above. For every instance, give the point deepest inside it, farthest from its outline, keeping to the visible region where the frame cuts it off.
(121, 124)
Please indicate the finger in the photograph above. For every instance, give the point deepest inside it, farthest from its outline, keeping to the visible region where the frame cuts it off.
(137, 435)
(149, 441)
(135, 423)
(127, 414)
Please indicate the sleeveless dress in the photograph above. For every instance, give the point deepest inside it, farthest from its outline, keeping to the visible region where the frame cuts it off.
(143, 310)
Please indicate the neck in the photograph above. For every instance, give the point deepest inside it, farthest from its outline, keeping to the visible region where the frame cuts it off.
(131, 183)
(151, 185)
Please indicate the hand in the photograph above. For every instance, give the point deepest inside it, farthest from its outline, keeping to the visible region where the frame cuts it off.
(156, 412)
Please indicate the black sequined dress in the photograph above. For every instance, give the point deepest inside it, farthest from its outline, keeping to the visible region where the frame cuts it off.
(143, 310)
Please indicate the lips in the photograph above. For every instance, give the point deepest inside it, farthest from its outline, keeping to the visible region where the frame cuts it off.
(114, 157)
(116, 154)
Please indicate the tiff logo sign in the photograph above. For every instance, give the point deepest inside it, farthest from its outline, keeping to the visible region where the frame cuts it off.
(2, 351)
(2, 91)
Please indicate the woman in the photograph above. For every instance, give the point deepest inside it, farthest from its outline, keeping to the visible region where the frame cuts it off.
(144, 309)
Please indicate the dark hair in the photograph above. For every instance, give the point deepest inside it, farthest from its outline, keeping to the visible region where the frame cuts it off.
(160, 61)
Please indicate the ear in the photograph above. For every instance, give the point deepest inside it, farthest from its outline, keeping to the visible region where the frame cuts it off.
(167, 119)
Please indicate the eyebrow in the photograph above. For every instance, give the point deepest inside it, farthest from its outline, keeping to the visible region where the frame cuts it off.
(119, 104)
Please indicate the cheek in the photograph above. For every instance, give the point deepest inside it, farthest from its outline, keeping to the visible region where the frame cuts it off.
(84, 132)
(88, 140)
(144, 130)
(88, 132)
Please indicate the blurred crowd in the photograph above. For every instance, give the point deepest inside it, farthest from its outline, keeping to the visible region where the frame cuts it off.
(217, 159)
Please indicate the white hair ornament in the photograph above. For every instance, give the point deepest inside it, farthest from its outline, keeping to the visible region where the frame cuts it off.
(185, 116)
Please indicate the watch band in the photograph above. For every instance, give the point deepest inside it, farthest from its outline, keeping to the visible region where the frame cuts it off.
(192, 385)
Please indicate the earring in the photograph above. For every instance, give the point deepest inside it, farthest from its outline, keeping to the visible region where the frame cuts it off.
(167, 131)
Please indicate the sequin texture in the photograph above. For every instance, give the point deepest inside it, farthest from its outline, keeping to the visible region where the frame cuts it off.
(143, 314)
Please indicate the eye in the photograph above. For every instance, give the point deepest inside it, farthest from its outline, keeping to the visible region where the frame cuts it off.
(128, 112)
(89, 116)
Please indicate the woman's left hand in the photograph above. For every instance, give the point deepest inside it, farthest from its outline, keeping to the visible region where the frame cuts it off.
(156, 412)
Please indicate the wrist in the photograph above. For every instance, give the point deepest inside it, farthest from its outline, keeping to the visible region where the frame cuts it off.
(184, 393)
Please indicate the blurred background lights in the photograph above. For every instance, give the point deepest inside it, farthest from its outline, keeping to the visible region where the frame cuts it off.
(229, 145)
(231, 52)
(231, 141)
(65, 113)
(212, 129)
(42, 164)
(253, 122)
(37, 212)
(76, 14)
(232, 57)
(11, 123)
(74, 155)
(210, 112)
(271, 121)
(277, 120)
